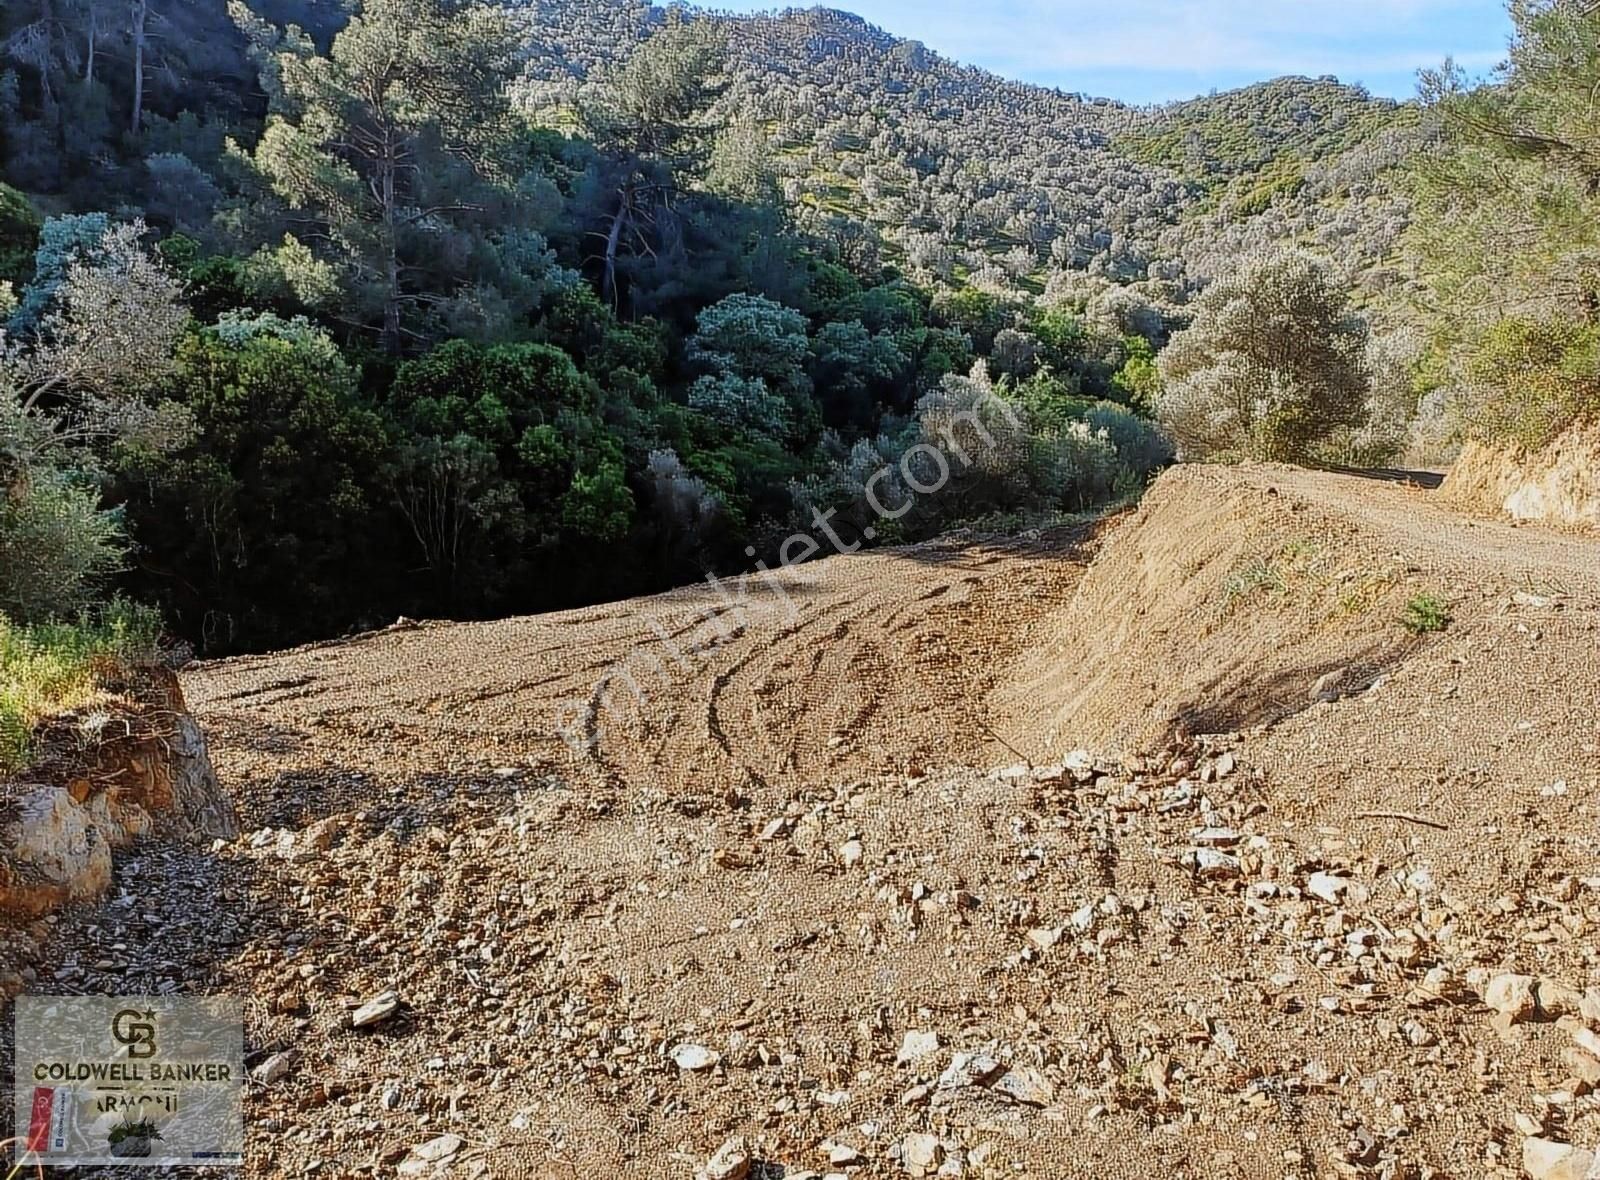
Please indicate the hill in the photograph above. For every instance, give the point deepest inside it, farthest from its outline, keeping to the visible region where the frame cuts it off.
(970, 176)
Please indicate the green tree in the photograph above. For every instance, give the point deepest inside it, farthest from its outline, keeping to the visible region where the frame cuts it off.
(505, 460)
(649, 119)
(1272, 364)
(267, 528)
(388, 156)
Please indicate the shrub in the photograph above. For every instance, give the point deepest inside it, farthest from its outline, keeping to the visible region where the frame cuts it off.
(1425, 615)
(56, 545)
(19, 236)
(1527, 380)
(51, 668)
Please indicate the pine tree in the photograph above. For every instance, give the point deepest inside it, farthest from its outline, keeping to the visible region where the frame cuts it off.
(389, 144)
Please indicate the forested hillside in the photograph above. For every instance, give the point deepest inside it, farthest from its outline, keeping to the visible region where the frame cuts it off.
(316, 317)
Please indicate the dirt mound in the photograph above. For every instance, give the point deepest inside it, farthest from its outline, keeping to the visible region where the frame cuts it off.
(1558, 485)
(1236, 598)
(764, 925)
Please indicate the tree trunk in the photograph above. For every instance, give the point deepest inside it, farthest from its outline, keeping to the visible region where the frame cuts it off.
(613, 242)
(140, 9)
(94, 29)
(388, 165)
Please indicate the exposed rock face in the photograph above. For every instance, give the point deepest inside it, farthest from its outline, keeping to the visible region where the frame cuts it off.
(1559, 485)
(150, 773)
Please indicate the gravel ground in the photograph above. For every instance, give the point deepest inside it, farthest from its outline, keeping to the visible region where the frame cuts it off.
(841, 895)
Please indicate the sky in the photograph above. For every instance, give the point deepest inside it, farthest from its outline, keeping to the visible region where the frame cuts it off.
(1143, 51)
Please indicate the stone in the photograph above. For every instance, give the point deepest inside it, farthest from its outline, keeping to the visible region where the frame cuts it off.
(1556, 999)
(731, 1161)
(916, 1046)
(1589, 1005)
(1336, 890)
(322, 835)
(969, 1069)
(850, 853)
(1512, 996)
(921, 1153)
(376, 1010)
(1211, 865)
(1216, 837)
(274, 1068)
(1044, 938)
(1080, 765)
(694, 1058)
(1027, 1086)
(1226, 765)
(1544, 1159)
(842, 1155)
(1585, 1067)
(432, 1157)
(1588, 1041)
(775, 829)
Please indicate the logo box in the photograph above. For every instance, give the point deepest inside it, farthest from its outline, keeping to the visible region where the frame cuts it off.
(129, 1080)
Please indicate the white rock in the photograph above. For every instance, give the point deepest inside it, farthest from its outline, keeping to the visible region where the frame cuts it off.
(842, 1155)
(921, 1153)
(1080, 765)
(731, 1161)
(694, 1058)
(1027, 1086)
(274, 1068)
(916, 1046)
(969, 1069)
(850, 853)
(1044, 938)
(1336, 890)
(1217, 837)
(1511, 995)
(376, 1010)
(1211, 865)
(1556, 999)
(1543, 1159)
(1588, 1041)
(429, 1158)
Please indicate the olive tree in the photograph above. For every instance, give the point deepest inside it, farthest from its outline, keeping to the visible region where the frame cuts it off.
(1273, 363)
(76, 380)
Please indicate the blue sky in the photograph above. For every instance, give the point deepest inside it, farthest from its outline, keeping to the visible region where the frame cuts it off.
(1156, 50)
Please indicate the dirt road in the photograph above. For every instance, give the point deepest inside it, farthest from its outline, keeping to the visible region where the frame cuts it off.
(801, 897)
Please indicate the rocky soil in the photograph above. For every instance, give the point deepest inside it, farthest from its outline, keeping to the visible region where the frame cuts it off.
(1195, 861)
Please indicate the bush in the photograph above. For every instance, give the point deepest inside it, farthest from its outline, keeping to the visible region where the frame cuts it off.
(56, 546)
(1527, 381)
(19, 236)
(1425, 615)
(51, 668)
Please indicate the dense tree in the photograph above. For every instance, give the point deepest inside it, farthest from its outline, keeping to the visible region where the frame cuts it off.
(647, 117)
(77, 380)
(505, 457)
(269, 522)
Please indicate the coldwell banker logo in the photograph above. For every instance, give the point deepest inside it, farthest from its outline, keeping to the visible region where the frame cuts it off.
(136, 1030)
(152, 1081)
